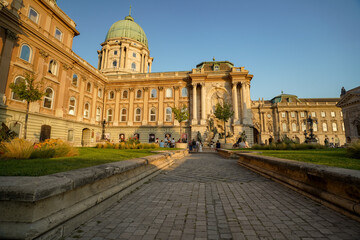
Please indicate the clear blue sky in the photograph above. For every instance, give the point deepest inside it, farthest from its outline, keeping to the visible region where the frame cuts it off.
(310, 48)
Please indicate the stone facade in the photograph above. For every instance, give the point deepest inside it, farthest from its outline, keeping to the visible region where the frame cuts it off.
(36, 38)
(286, 115)
(350, 106)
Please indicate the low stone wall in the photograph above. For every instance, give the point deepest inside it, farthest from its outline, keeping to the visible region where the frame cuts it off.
(50, 207)
(335, 187)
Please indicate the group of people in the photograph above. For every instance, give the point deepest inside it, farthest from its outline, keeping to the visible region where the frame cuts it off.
(166, 143)
(195, 146)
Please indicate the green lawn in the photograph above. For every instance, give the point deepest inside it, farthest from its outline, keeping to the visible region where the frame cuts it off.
(335, 157)
(87, 157)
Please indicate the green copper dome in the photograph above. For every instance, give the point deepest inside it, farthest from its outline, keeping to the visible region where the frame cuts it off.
(129, 29)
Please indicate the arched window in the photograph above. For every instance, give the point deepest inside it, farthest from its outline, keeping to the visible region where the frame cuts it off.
(114, 63)
(153, 93)
(184, 92)
(100, 92)
(25, 53)
(74, 81)
(334, 126)
(87, 110)
(109, 116)
(123, 115)
(18, 80)
(33, 15)
(98, 114)
(152, 115)
(303, 126)
(284, 127)
(294, 127)
(168, 114)
(168, 93)
(138, 93)
(315, 127)
(48, 98)
(88, 87)
(53, 67)
(111, 95)
(125, 94)
(133, 66)
(72, 105)
(324, 125)
(137, 115)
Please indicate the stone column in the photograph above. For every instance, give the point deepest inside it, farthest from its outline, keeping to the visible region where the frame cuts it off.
(80, 101)
(150, 67)
(243, 103)
(203, 104)
(99, 59)
(176, 101)
(131, 107)
(117, 109)
(106, 58)
(10, 39)
(145, 106)
(194, 120)
(93, 104)
(161, 107)
(235, 103)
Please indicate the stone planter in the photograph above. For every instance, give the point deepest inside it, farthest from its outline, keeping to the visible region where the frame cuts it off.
(181, 145)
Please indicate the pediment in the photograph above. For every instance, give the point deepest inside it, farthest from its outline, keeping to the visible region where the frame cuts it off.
(348, 100)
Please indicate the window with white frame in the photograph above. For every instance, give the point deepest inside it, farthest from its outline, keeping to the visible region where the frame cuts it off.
(313, 114)
(58, 34)
(332, 114)
(294, 127)
(315, 127)
(72, 105)
(283, 114)
(303, 126)
(153, 93)
(168, 114)
(137, 115)
(48, 98)
(25, 53)
(133, 66)
(184, 92)
(343, 126)
(123, 115)
(88, 87)
(284, 127)
(33, 15)
(323, 114)
(125, 94)
(168, 93)
(302, 114)
(138, 93)
(152, 115)
(111, 95)
(87, 110)
(114, 63)
(98, 114)
(334, 126)
(292, 114)
(109, 115)
(100, 92)
(18, 80)
(53, 67)
(74, 80)
(324, 126)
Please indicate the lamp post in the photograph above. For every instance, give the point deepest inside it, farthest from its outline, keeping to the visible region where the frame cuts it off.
(103, 129)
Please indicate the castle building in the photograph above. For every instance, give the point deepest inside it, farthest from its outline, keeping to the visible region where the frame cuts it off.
(36, 37)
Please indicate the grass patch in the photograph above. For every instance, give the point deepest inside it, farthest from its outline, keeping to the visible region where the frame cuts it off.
(87, 157)
(334, 157)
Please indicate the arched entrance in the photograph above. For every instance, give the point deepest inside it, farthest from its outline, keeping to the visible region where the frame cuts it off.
(256, 136)
(85, 140)
(45, 132)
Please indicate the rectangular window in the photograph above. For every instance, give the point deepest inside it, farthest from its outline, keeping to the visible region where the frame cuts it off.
(323, 114)
(332, 114)
(324, 127)
(283, 114)
(315, 128)
(302, 114)
(334, 127)
(33, 15)
(58, 34)
(292, 114)
(313, 114)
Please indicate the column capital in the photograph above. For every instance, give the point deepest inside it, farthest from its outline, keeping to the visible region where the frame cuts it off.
(146, 89)
(43, 54)
(131, 89)
(161, 88)
(176, 87)
(11, 35)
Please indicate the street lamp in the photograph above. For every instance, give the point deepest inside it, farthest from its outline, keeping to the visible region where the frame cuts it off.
(103, 129)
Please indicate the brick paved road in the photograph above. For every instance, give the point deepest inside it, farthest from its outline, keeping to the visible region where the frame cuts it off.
(208, 197)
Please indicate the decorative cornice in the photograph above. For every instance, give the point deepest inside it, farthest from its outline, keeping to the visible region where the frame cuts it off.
(131, 89)
(176, 87)
(146, 89)
(3, 4)
(66, 67)
(161, 88)
(43, 54)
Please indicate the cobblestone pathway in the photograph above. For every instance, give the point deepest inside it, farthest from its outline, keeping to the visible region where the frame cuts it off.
(205, 196)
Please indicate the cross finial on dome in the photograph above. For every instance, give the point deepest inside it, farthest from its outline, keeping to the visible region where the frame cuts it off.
(130, 11)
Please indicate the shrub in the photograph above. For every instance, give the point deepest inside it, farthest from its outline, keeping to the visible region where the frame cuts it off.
(17, 148)
(288, 146)
(353, 150)
(53, 148)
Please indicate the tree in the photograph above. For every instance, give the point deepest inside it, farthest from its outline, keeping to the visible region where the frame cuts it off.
(180, 114)
(29, 91)
(223, 112)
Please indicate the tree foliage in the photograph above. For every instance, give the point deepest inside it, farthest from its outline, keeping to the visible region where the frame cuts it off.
(180, 114)
(223, 112)
(27, 90)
